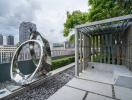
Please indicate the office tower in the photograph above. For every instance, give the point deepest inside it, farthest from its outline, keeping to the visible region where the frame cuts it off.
(24, 31)
(10, 40)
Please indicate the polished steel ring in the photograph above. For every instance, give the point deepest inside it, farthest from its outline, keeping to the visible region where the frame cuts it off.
(15, 73)
(46, 60)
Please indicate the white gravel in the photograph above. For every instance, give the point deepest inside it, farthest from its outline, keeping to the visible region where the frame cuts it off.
(48, 88)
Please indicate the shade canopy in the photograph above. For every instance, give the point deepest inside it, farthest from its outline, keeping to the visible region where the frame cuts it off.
(116, 24)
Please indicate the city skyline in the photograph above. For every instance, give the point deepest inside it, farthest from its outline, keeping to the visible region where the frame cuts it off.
(46, 14)
(6, 39)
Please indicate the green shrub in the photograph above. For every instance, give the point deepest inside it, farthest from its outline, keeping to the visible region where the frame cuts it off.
(62, 62)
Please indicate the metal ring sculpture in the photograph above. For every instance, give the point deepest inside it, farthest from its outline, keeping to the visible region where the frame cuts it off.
(43, 66)
(46, 60)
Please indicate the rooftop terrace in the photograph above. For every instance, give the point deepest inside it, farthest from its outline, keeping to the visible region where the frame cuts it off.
(103, 66)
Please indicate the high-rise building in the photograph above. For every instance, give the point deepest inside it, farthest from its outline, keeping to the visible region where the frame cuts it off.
(10, 40)
(1, 39)
(6, 53)
(24, 31)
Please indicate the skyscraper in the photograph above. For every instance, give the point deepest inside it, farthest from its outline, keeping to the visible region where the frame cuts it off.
(10, 40)
(24, 31)
(1, 39)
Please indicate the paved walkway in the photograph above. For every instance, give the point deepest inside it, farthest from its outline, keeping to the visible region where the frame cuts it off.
(80, 89)
(98, 85)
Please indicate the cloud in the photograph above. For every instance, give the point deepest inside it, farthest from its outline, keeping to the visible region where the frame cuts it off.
(48, 15)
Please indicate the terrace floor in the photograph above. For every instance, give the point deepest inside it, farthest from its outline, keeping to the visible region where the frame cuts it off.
(103, 82)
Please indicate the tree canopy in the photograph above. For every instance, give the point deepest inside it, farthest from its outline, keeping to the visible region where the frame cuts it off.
(76, 18)
(99, 9)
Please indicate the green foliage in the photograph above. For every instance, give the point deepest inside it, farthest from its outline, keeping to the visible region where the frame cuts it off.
(99, 9)
(102, 9)
(62, 62)
(126, 5)
(72, 38)
(73, 19)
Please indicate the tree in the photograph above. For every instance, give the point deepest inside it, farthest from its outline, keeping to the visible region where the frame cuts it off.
(73, 19)
(99, 9)
(103, 9)
(126, 4)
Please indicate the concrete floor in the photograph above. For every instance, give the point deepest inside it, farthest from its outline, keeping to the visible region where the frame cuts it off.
(98, 83)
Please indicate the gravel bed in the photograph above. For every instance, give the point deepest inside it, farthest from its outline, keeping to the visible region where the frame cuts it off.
(48, 88)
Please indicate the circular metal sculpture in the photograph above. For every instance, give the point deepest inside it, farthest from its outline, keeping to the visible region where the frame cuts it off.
(44, 63)
(46, 60)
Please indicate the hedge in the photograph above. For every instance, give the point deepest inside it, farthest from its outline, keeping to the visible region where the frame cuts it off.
(62, 62)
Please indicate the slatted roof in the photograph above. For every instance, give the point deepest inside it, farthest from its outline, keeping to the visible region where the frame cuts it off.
(116, 24)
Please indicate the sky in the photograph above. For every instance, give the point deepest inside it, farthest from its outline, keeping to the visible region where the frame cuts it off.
(48, 15)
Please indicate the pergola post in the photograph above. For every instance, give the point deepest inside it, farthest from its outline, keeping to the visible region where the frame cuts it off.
(93, 49)
(89, 47)
(97, 48)
(100, 48)
(76, 53)
(81, 53)
(87, 50)
(84, 51)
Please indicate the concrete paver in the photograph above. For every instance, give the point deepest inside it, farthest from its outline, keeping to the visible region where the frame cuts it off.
(99, 88)
(123, 93)
(92, 96)
(97, 84)
(96, 75)
(68, 93)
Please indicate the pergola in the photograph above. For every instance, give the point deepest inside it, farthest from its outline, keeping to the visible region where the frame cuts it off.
(106, 41)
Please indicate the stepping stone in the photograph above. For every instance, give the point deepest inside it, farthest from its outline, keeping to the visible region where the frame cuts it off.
(123, 93)
(92, 96)
(124, 81)
(95, 87)
(68, 93)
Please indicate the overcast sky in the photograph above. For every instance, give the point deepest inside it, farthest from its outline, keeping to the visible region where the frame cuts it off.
(48, 15)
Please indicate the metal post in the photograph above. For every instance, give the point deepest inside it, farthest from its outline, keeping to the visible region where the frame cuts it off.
(101, 49)
(97, 49)
(104, 36)
(113, 49)
(102, 46)
(84, 52)
(76, 54)
(110, 48)
(93, 48)
(106, 48)
(81, 52)
(87, 50)
(89, 47)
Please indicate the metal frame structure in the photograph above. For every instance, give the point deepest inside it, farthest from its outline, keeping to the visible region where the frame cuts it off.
(105, 41)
